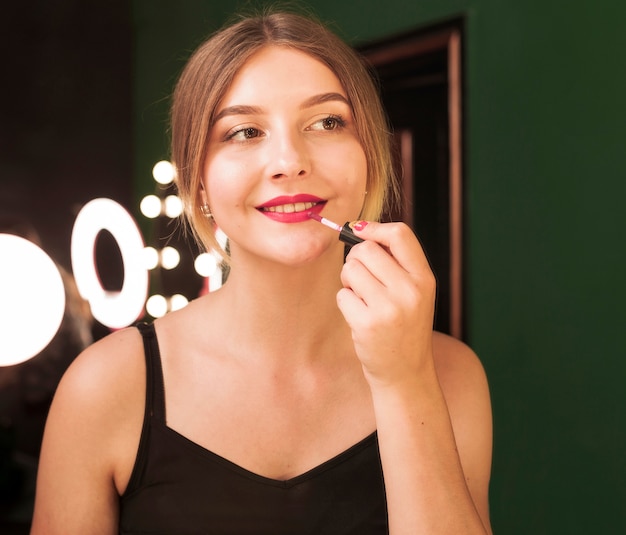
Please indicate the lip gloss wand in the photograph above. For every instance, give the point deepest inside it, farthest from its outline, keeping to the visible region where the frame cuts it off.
(345, 233)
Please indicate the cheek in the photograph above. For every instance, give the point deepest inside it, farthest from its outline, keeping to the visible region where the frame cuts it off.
(357, 163)
(223, 180)
(353, 169)
(222, 194)
(223, 200)
(346, 158)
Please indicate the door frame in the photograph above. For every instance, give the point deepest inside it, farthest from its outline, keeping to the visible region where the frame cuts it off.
(446, 37)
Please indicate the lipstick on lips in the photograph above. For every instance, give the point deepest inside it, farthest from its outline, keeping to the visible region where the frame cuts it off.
(345, 233)
(291, 208)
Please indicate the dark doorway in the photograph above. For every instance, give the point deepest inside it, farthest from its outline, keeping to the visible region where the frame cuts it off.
(420, 75)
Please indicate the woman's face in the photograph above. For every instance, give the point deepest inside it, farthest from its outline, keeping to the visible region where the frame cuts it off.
(283, 144)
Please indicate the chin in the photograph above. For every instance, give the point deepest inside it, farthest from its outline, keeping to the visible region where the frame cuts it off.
(300, 254)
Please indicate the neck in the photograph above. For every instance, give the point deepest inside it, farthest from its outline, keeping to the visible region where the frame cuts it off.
(286, 313)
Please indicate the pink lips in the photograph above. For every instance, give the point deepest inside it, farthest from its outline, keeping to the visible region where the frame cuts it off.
(291, 208)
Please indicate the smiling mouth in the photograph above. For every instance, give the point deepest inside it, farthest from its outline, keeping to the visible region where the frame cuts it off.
(289, 208)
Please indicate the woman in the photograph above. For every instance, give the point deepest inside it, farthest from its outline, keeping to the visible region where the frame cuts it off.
(308, 394)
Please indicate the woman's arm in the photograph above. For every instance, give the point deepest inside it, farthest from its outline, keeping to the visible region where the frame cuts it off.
(436, 453)
(429, 391)
(91, 437)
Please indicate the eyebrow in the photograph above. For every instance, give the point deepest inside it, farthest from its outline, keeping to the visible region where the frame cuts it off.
(255, 110)
(237, 110)
(324, 97)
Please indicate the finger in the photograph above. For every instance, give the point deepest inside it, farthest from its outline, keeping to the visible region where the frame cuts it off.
(378, 261)
(350, 305)
(399, 293)
(398, 239)
(358, 277)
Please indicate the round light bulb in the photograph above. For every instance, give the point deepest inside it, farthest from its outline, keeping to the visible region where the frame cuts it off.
(163, 172)
(150, 206)
(170, 257)
(173, 206)
(151, 257)
(32, 302)
(156, 305)
(205, 264)
(178, 301)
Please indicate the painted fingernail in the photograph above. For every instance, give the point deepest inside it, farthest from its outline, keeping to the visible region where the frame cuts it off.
(359, 225)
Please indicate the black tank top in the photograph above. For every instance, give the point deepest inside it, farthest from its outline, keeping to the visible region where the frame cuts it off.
(180, 488)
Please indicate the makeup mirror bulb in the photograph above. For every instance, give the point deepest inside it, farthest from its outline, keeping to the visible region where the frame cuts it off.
(163, 172)
(156, 306)
(173, 206)
(170, 257)
(150, 257)
(178, 301)
(150, 206)
(205, 264)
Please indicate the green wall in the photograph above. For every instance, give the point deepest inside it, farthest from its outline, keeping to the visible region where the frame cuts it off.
(545, 179)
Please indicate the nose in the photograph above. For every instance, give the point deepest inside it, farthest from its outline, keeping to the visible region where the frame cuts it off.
(288, 157)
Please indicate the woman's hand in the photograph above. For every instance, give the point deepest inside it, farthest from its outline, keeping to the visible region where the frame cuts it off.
(388, 299)
(436, 476)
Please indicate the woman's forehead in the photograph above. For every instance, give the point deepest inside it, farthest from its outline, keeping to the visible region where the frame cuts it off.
(276, 72)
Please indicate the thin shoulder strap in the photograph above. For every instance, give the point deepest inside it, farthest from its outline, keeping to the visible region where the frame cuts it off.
(155, 405)
(155, 388)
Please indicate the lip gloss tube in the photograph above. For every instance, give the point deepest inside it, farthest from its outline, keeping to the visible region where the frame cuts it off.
(345, 232)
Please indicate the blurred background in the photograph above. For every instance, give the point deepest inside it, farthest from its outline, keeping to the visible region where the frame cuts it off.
(511, 125)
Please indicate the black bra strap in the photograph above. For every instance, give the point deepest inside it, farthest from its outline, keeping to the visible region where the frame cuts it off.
(155, 388)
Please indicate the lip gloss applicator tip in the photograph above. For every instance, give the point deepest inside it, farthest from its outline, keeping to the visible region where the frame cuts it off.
(345, 233)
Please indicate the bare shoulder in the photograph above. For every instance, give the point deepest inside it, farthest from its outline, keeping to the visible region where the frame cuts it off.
(104, 389)
(465, 388)
(119, 349)
(106, 374)
(91, 437)
(459, 369)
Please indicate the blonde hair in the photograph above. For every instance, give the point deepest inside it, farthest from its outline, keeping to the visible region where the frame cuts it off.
(209, 74)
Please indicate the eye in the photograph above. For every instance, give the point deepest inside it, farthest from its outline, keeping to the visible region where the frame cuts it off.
(243, 134)
(331, 122)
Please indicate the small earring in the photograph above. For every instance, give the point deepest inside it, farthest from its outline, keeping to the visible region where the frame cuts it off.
(206, 211)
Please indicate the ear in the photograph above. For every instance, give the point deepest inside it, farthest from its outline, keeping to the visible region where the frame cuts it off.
(203, 196)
